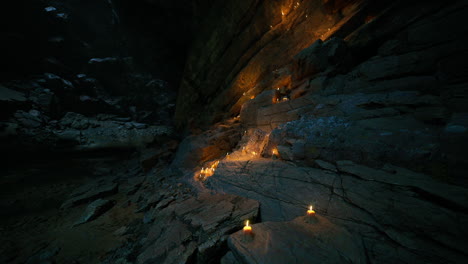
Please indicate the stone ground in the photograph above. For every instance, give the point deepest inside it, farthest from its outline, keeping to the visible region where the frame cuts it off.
(366, 120)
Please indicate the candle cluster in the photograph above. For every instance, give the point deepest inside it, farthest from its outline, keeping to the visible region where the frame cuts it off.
(248, 232)
(209, 171)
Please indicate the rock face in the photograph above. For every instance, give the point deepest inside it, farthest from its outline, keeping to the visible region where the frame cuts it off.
(94, 210)
(298, 241)
(374, 88)
(229, 61)
(366, 123)
(195, 229)
(398, 215)
(90, 192)
(356, 107)
(212, 144)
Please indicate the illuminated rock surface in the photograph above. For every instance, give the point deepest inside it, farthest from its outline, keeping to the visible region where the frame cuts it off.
(196, 227)
(159, 127)
(297, 242)
(392, 211)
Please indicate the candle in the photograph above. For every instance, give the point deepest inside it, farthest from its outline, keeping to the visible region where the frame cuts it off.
(247, 229)
(310, 212)
(274, 152)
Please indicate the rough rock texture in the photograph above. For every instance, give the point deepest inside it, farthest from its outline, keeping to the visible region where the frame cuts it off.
(196, 228)
(90, 192)
(361, 105)
(299, 241)
(377, 83)
(194, 150)
(94, 210)
(243, 46)
(397, 214)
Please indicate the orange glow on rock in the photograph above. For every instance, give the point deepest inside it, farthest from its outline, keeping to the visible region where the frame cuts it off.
(247, 228)
(208, 171)
(274, 151)
(310, 212)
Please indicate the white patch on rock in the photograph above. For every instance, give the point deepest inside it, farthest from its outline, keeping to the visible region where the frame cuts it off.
(50, 9)
(99, 60)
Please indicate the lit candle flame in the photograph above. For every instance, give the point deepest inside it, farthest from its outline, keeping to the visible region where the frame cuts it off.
(310, 208)
(274, 151)
(247, 229)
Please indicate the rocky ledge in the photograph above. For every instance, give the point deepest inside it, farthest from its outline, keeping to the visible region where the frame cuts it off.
(392, 214)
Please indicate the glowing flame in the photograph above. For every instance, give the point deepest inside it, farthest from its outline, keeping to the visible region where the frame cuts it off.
(311, 211)
(247, 228)
(252, 97)
(274, 151)
(282, 12)
(208, 172)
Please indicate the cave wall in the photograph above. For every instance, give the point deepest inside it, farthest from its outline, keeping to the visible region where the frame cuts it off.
(242, 43)
(387, 79)
(355, 107)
